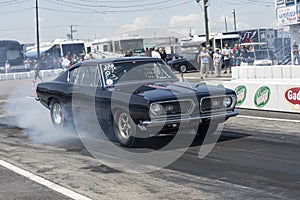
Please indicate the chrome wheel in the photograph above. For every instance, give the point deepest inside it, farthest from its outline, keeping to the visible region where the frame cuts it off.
(125, 129)
(183, 68)
(57, 113)
(124, 125)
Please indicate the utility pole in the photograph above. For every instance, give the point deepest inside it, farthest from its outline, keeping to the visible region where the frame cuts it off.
(72, 31)
(226, 28)
(37, 34)
(234, 19)
(205, 5)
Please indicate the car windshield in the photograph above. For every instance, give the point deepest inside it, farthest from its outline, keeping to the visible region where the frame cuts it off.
(136, 71)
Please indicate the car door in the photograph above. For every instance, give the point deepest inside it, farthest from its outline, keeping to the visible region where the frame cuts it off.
(87, 94)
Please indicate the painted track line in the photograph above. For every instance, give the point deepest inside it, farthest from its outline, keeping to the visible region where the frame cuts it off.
(44, 182)
(269, 119)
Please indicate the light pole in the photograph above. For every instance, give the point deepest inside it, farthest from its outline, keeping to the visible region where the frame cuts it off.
(37, 34)
(205, 5)
(234, 19)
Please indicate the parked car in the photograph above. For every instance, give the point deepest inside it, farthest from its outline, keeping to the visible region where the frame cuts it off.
(188, 62)
(135, 95)
(172, 56)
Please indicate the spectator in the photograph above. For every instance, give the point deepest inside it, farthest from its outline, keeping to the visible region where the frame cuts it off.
(27, 63)
(211, 53)
(129, 53)
(155, 53)
(245, 53)
(226, 58)
(163, 54)
(217, 58)
(66, 63)
(6, 66)
(295, 51)
(148, 51)
(37, 75)
(236, 55)
(203, 58)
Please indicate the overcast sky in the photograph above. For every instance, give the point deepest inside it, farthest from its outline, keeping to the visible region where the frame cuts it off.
(100, 19)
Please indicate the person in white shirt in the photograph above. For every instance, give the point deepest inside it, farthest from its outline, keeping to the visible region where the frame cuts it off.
(217, 59)
(155, 53)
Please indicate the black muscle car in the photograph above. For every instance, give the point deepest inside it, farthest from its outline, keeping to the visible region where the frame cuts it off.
(135, 96)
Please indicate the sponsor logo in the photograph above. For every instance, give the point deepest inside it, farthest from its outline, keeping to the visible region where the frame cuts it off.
(241, 93)
(292, 95)
(262, 96)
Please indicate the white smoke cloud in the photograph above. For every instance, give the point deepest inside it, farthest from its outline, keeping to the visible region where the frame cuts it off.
(25, 112)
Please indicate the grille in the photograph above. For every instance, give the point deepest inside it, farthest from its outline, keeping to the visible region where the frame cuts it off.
(211, 104)
(177, 107)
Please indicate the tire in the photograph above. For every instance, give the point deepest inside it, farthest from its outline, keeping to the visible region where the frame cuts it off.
(182, 68)
(58, 114)
(125, 129)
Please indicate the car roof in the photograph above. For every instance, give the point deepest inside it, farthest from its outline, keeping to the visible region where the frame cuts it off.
(122, 59)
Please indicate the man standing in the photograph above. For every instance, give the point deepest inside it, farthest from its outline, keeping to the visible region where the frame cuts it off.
(211, 53)
(203, 58)
(226, 57)
(217, 57)
(236, 55)
(295, 51)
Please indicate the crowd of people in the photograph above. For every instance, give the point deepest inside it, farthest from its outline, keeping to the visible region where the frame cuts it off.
(212, 61)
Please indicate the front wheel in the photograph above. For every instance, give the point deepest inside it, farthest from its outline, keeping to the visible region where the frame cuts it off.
(125, 129)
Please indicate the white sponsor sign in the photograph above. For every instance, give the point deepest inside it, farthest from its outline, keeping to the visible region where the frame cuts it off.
(287, 15)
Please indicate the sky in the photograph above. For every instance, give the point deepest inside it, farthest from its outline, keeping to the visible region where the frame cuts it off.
(98, 19)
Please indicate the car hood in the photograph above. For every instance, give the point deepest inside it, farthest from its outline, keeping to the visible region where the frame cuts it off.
(172, 90)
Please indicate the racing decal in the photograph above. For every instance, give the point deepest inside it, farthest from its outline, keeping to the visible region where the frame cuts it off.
(262, 96)
(241, 93)
(292, 95)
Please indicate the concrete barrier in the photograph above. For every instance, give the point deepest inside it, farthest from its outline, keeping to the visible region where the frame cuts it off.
(274, 88)
(29, 75)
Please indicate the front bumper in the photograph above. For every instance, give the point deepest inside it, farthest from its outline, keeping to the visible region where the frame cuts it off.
(218, 117)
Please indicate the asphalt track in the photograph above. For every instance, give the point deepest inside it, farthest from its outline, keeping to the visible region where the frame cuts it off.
(256, 157)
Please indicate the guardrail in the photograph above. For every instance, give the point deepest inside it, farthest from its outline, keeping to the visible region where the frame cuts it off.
(28, 75)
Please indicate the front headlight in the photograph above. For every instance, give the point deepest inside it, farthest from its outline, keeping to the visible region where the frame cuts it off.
(155, 109)
(227, 101)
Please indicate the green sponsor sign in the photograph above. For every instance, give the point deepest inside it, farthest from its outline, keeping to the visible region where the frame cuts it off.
(241, 94)
(262, 96)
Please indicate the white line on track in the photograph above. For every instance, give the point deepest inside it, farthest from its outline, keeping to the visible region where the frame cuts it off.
(269, 119)
(44, 182)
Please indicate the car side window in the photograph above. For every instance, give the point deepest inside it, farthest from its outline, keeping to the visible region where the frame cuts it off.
(96, 71)
(88, 75)
(73, 76)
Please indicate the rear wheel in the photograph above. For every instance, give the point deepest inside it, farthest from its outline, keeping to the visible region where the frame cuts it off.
(58, 114)
(125, 129)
